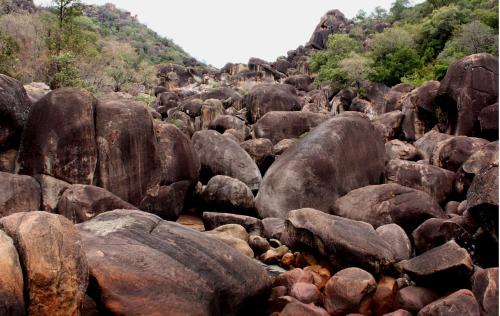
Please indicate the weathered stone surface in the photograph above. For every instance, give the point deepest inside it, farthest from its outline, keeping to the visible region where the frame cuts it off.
(280, 125)
(270, 97)
(482, 199)
(348, 290)
(437, 231)
(488, 121)
(417, 107)
(274, 255)
(11, 278)
(333, 21)
(128, 157)
(383, 298)
(470, 84)
(36, 90)
(399, 312)
(192, 107)
(222, 156)
(213, 220)
(428, 143)
(396, 149)
(320, 274)
(228, 96)
(342, 100)
(283, 145)
(226, 194)
(301, 309)
(168, 201)
(235, 236)
(225, 122)
(485, 288)
(291, 277)
(414, 298)
(388, 203)
(18, 194)
(348, 242)
(8, 160)
(14, 108)
(80, 203)
(54, 265)
(446, 266)
(435, 181)
(133, 249)
(261, 151)
(340, 155)
(273, 227)
(393, 98)
(59, 137)
(399, 242)
(210, 111)
(479, 160)
(389, 124)
(450, 154)
(52, 189)
(461, 302)
(300, 82)
(179, 160)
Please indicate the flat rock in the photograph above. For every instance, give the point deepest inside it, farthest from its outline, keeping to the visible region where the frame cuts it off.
(18, 194)
(279, 125)
(461, 302)
(348, 242)
(80, 203)
(56, 277)
(388, 203)
(213, 220)
(132, 249)
(435, 181)
(447, 266)
(342, 154)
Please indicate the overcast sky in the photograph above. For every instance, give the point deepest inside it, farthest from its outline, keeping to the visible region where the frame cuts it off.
(221, 31)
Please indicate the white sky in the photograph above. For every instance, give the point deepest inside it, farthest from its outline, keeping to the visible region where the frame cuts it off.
(221, 31)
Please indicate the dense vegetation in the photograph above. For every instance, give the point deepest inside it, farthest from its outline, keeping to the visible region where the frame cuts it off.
(101, 48)
(408, 44)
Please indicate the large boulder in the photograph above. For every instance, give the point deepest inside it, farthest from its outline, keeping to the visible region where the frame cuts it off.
(14, 108)
(389, 124)
(479, 160)
(59, 139)
(18, 194)
(485, 287)
(225, 194)
(54, 264)
(220, 155)
(488, 122)
(333, 21)
(450, 154)
(388, 203)
(228, 96)
(279, 125)
(261, 151)
(347, 242)
(265, 98)
(461, 302)
(482, 199)
(446, 266)
(437, 182)
(11, 278)
(179, 160)
(470, 84)
(340, 155)
(417, 107)
(398, 240)
(427, 144)
(144, 265)
(128, 157)
(80, 203)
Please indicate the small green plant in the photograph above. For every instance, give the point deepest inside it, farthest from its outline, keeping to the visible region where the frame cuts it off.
(146, 98)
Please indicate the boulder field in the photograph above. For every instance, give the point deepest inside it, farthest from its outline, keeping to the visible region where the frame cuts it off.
(251, 190)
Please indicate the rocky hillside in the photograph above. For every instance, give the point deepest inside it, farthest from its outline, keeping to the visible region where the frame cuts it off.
(251, 190)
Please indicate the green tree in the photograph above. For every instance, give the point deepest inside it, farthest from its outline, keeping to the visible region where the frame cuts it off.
(65, 73)
(475, 37)
(355, 69)
(8, 53)
(397, 9)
